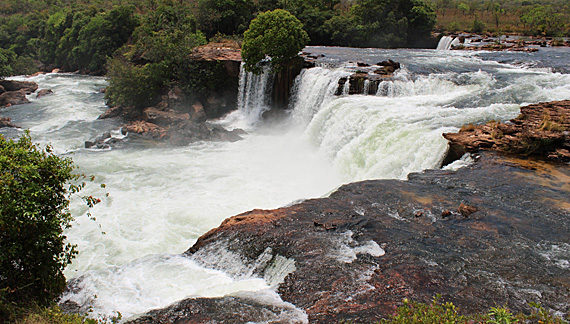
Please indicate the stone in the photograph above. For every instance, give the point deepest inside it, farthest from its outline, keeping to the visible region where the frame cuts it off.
(44, 92)
(163, 118)
(198, 113)
(11, 98)
(7, 122)
(11, 85)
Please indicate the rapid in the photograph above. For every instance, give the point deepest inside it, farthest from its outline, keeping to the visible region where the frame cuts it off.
(161, 198)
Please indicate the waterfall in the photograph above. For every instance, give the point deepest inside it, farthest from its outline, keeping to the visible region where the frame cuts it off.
(446, 42)
(366, 87)
(254, 95)
(313, 88)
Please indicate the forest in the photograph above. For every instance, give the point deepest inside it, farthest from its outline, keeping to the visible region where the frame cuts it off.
(88, 35)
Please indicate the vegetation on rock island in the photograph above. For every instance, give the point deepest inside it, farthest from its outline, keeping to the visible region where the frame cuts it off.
(35, 190)
(277, 35)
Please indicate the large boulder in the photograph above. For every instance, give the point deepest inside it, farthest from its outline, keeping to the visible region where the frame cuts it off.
(11, 98)
(44, 92)
(7, 122)
(11, 85)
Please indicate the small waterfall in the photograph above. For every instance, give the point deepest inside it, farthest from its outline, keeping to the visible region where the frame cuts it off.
(446, 42)
(254, 95)
(312, 89)
(366, 87)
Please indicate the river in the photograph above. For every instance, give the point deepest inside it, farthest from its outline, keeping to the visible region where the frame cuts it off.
(161, 198)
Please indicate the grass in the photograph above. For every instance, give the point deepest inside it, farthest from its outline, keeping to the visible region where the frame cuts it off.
(439, 312)
(33, 314)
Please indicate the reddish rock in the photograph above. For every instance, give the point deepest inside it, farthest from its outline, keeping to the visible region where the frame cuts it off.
(11, 85)
(44, 92)
(163, 118)
(541, 129)
(11, 98)
(198, 113)
(466, 210)
(7, 122)
(144, 128)
(222, 51)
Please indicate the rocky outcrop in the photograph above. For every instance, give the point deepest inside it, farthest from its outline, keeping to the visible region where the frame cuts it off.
(494, 233)
(44, 92)
(7, 122)
(14, 92)
(11, 98)
(26, 86)
(367, 78)
(182, 132)
(541, 129)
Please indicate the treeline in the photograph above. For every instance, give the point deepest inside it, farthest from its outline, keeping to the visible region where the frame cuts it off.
(529, 17)
(82, 35)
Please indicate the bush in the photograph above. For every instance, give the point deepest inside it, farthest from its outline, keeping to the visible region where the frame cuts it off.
(35, 188)
(276, 34)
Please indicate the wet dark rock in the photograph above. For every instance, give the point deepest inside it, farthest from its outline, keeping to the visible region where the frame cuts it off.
(11, 98)
(512, 250)
(231, 309)
(367, 78)
(2, 90)
(103, 142)
(541, 129)
(27, 86)
(7, 122)
(389, 67)
(44, 92)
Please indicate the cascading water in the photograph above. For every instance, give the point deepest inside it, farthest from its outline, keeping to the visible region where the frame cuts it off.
(253, 97)
(159, 206)
(446, 42)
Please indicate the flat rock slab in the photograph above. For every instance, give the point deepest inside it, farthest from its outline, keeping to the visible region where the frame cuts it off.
(494, 233)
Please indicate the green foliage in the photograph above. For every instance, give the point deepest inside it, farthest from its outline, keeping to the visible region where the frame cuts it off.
(439, 312)
(478, 26)
(419, 313)
(34, 314)
(544, 20)
(85, 39)
(159, 56)
(229, 17)
(35, 188)
(5, 60)
(276, 34)
(501, 315)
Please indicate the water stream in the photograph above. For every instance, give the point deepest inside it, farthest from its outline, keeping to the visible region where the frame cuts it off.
(161, 199)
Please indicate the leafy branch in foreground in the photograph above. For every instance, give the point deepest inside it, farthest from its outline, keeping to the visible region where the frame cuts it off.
(35, 190)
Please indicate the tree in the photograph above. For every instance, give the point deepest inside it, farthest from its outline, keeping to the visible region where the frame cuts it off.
(229, 17)
(34, 211)
(275, 34)
(158, 58)
(464, 8)
(5, 67)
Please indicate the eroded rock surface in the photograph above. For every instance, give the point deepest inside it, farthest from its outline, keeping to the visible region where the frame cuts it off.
(541, 129)
(494, 233)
